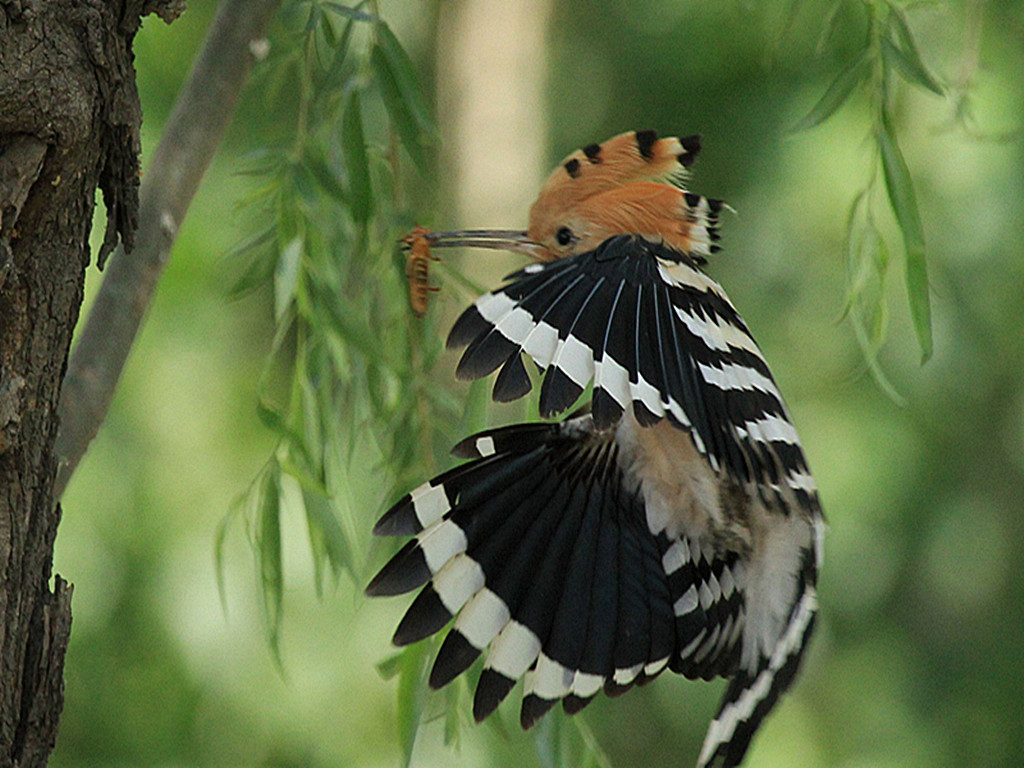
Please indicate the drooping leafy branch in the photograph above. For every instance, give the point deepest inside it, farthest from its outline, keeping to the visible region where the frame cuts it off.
(346, 380)
(889, 54)
(346, 387)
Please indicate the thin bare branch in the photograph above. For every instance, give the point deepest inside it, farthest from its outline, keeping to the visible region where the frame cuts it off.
(193, 133)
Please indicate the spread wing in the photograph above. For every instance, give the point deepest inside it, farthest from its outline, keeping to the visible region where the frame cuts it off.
(652, 331)
(541, 550)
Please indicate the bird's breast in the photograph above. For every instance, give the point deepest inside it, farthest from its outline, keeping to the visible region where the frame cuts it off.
(683, 495)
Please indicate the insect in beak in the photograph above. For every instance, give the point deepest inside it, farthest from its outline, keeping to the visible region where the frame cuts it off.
(513, 240)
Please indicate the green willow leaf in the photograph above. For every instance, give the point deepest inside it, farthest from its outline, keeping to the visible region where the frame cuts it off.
(405, 78)
(910, 52)
(402, 95)
(304, 185)
(401, 117)
(314, 19)
(296, 460)
(872, 290)
(904, 205)
(412, 694)
(348, 12)
(269, 543)
(296, 463)
(320, 516)
(261, 238)
(330, 37)
(390, 666)
(870, 353)
(325, 177)
(920, 304)
(286, 276)
(220, 538)
(272, 419)
(353, 147)
(261, 263)
(594, 753)
(828, 29)
(838, 92)
(351, 325)
(546, 742)
(912, 69)
(334, 76)
(453, 708)
(856, 221)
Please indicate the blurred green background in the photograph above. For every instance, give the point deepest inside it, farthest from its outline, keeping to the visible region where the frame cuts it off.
(919, 659)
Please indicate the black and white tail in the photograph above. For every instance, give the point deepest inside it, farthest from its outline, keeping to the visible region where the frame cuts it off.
(752, 695)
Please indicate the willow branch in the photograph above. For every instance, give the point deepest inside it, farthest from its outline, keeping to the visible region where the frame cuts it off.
(193, 133)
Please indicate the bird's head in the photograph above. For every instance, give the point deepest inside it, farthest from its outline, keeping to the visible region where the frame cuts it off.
(630, 184)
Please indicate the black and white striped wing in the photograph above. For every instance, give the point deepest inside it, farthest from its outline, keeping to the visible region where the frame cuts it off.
(651, 330)
(542, 554)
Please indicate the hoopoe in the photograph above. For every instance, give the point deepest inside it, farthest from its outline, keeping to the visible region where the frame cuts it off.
(672, 523)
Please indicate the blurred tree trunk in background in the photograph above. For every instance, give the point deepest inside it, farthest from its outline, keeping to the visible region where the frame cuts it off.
(69, 123)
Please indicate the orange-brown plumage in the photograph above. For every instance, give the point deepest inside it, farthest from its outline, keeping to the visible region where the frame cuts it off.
(658, 211)
(630, 184)
(628, 157)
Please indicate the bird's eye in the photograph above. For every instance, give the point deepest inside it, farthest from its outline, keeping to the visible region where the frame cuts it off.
(564, 236)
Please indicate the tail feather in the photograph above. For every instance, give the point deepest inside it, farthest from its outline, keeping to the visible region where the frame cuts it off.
(707, 590)
(512, 381)
(611, 380)
(646, 381)
(632, 636)
(455, 656)
(752, 695)
(516, 439)
(491, 690)
(642, 607)
(572, 365)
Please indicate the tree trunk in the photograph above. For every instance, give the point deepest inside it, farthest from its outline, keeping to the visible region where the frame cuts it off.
(69, 123)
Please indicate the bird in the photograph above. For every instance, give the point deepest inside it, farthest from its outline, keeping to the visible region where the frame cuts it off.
(671, 521)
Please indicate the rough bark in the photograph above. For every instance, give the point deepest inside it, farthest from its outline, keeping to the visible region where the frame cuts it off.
(69, 124)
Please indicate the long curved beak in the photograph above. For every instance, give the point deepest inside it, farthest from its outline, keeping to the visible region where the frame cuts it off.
(499, 239)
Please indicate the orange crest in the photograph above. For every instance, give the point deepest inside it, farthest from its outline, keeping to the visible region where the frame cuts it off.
(628, 157)
(631, 184)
